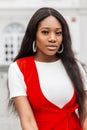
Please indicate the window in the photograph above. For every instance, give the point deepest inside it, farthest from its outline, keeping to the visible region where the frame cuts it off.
(12, 36)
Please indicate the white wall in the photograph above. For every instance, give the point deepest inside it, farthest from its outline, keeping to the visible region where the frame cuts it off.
(8, 119)
(83, 30)
(38, 3)
(83, 36)
(21, 11)
(83, 4)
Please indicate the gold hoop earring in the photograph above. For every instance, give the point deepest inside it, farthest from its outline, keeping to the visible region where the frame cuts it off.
(34, 47)
(61, 49)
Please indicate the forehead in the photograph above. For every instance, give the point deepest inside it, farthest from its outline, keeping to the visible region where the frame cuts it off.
(50, 21)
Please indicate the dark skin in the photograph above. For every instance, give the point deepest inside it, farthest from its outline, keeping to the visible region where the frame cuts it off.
(48, 40)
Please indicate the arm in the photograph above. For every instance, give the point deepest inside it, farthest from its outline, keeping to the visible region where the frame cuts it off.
(84, 123)
(25, 113)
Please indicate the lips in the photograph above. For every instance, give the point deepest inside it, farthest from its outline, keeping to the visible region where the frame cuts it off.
(51, 47)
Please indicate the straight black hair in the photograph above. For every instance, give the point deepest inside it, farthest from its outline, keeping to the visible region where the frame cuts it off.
(67, 57)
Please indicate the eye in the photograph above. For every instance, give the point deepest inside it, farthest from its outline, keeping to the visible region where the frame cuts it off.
(45, 32)
(59, 33)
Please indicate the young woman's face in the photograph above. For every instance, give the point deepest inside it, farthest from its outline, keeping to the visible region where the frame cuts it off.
(48, 38)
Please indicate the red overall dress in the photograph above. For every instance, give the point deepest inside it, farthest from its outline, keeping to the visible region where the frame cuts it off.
(47, 115)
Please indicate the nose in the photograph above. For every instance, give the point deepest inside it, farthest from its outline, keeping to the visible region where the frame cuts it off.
(52, 37)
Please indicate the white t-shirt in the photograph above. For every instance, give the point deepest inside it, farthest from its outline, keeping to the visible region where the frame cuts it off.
(54, 81)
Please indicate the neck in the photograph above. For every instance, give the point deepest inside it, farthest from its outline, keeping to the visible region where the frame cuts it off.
(46, 59)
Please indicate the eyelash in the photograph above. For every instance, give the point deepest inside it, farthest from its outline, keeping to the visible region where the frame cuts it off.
(46, 32)
(59, 33)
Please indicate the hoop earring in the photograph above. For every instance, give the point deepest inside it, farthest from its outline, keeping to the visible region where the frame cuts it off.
(34, 47)
(61, 49)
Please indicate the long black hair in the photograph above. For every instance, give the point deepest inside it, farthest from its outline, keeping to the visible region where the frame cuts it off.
(67, 57)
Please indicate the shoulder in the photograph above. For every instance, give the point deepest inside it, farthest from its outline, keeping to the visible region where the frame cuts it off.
(13, 68)
(25, 61)
(26, 64)
(16, 83)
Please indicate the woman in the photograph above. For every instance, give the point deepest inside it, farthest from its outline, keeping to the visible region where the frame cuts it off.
(46, 82)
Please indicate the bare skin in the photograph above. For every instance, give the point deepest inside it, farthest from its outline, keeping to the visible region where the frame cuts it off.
(48, 40)
(25, 113)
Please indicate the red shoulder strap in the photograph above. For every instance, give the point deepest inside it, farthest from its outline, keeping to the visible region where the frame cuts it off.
(27, 67)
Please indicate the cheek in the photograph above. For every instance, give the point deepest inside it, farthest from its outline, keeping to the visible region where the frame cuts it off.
(40, 41)
(39, 44)
(61, 39)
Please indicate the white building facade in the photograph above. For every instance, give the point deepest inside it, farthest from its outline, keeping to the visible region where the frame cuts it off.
(14, 17)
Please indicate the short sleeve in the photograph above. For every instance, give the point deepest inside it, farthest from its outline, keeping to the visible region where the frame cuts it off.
(16, 83)
(84, 75)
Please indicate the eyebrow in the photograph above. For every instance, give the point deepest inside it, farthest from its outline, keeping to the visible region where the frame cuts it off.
(49, 28)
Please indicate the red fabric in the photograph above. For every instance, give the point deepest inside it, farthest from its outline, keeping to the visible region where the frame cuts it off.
(48, 115)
